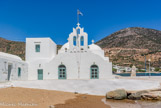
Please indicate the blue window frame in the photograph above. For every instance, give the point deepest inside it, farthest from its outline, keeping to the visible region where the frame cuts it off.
(37, 48)
(74, 40)
(82, 41)
(94, 72)
(61, 72)
(19, 72)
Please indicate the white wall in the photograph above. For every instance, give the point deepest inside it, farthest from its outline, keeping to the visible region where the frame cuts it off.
(34, 66)
(48, 49)
(4, 62)
(86, 59)
(36, 60)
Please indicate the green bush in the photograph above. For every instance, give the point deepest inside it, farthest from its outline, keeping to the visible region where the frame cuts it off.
(114, 70)
(140, 70)
(156, 69)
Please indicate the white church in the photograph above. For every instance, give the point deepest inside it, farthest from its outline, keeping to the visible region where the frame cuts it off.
(75, 60)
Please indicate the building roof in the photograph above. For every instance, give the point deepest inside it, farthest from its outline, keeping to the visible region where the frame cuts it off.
(94, 47)
(66, 45)
(6, 55)
(91, 47)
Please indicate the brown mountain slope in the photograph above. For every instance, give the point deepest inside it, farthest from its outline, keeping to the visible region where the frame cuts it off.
(129, 46)
(133, 38)
(12, 47)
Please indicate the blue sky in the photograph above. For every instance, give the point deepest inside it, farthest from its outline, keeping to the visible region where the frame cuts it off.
(56, 18)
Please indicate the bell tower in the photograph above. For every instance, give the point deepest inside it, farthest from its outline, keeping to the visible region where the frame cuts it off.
(78, 39)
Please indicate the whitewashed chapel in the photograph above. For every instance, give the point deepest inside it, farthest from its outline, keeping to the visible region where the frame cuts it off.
(75, 60)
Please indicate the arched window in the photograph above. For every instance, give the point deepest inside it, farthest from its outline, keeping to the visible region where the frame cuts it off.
(94, 72)
(78, 31)
(82, 41)
(61, 72)
(74, 40)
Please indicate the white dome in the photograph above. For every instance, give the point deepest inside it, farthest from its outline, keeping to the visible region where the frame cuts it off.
(2, 54)
(94, 47)
(66, 45)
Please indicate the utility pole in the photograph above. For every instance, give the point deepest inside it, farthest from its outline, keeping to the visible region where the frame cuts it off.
(145, 63)
(149, 67)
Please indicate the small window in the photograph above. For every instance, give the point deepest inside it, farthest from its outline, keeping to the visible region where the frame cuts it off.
(37, 48)
(19, 72)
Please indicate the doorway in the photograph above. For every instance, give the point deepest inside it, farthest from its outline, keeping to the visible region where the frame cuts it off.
(61, 72)
(94, 72)
(9, 71)
(40, 74)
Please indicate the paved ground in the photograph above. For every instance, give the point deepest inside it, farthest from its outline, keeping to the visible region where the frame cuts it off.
(12, 93)
(93, 87)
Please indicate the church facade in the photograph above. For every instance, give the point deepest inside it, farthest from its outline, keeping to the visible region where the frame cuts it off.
(75, 60)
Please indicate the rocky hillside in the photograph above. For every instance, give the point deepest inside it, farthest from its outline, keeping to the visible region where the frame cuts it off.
(130, 46)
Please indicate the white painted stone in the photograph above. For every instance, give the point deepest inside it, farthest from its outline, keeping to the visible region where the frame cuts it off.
(133, 72)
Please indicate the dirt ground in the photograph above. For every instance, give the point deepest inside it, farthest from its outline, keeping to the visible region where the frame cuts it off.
(84, 101)
(32, 98)
(15, 97)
